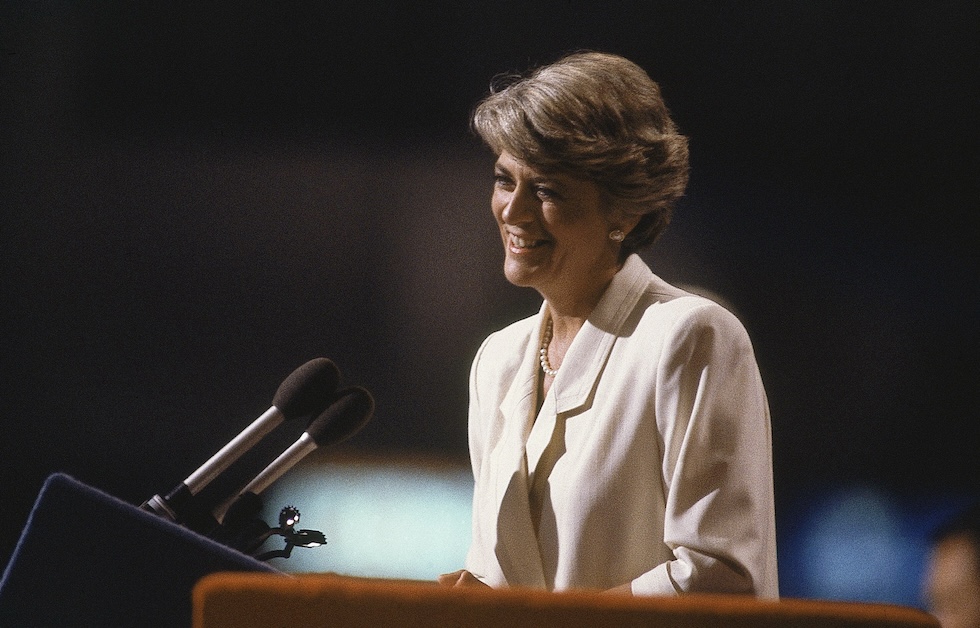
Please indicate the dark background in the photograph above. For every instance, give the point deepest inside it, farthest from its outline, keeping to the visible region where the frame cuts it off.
(198, 197)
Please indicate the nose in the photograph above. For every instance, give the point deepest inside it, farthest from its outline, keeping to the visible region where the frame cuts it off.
(518, 207)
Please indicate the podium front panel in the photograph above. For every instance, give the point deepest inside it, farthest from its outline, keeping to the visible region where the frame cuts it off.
(86, 558)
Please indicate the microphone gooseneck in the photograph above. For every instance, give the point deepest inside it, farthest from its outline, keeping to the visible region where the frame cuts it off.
(307, 390)
(238, 525)
(352, 408)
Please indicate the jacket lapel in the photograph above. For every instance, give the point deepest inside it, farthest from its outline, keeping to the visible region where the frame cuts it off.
(517, 546)
(588, 353)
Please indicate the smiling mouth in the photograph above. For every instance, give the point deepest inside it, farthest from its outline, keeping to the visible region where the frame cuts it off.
(522, 243)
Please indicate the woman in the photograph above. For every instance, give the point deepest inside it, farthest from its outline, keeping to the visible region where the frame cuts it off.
(620, 438)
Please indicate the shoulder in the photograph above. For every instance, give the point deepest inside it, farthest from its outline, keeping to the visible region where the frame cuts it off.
(503, 350)
(680, 317)
(663, 303)
(515, 334)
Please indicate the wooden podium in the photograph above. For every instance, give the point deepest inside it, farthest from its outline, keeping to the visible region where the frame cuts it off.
(243, 600)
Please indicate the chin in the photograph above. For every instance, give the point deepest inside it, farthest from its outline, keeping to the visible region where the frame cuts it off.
(518, 276)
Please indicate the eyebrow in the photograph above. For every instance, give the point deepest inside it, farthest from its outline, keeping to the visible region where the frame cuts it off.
(498, 167)
(554, 181)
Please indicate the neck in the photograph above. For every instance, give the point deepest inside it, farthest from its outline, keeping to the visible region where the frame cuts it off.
(571, 305)
(569, 310)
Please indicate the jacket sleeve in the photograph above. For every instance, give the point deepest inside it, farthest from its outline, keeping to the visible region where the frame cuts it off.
(713, 417)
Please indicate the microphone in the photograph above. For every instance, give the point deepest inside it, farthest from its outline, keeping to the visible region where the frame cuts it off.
(308, 389)
(352, 409)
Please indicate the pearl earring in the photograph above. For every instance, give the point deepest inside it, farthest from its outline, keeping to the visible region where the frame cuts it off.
(616, 235)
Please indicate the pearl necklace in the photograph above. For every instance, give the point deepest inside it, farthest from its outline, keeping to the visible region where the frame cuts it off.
(545, 343)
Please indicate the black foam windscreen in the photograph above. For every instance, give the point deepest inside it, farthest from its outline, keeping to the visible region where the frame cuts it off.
(307, 389)
(351, 411)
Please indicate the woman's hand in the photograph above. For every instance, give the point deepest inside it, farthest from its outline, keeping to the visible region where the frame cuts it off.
(461, 578)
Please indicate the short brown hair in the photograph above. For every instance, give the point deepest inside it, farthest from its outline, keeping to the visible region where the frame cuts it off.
(598, 116)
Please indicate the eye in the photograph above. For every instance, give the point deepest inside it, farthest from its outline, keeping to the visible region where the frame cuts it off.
(501, 180)
(545, 193)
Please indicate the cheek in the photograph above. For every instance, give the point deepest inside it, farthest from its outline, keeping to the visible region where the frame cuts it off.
(497, 207)
(589, 233)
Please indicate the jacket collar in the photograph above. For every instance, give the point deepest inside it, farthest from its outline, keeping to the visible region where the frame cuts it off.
(589, 351)
(586, 356)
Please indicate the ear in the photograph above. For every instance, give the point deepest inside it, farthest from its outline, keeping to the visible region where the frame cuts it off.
(627, 222)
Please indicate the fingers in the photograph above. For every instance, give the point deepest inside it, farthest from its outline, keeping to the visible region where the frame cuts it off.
(450, 579)
(461, 578)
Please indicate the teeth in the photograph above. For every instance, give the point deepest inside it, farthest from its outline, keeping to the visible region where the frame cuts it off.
(521, 243)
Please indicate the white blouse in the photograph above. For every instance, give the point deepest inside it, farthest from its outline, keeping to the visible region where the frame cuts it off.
(660, 473)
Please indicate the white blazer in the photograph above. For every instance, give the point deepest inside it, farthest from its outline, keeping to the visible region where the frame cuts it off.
(664, 478)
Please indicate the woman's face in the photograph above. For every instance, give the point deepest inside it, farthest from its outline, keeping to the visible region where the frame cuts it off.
(554, 230)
